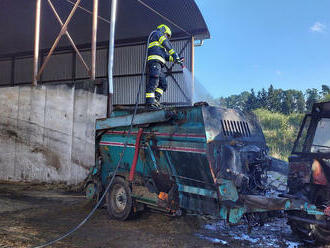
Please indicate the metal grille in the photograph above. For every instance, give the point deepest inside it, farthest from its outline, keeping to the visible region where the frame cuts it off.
(235, 128)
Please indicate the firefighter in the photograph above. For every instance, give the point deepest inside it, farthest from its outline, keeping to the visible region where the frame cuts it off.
(160, 50)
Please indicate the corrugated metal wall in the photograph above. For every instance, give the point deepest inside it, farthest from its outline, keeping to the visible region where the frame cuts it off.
(127, 74)
(129, 59)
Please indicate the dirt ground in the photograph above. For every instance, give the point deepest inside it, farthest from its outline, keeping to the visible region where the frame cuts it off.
(32, 214)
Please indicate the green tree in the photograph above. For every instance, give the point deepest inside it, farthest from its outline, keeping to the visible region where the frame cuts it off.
(235, 101)
(325, 90)
(251, 102)
(271, 98)
(288, 103)
(299, 101)
(278, 94)
(262, 98)
(326, 98)
(312, 96)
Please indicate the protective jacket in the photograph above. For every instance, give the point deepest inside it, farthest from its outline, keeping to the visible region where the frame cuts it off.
(160, 48)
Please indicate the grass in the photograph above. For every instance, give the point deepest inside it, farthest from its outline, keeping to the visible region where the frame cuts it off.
(280, 131)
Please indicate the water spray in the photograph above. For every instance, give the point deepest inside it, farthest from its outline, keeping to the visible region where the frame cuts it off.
(198, 93)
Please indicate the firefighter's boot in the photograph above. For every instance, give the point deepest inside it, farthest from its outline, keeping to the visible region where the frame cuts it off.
(152, 107)
(151, 104)
(158, 95)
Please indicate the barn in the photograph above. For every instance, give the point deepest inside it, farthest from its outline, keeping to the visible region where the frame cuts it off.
(65, 63)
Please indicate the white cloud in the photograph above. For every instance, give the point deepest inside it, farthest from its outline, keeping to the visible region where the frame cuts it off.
(318, 27)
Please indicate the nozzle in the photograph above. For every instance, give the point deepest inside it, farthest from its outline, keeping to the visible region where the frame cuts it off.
(181, 62)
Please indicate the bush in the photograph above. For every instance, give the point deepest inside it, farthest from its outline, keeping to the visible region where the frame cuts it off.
(280, 131)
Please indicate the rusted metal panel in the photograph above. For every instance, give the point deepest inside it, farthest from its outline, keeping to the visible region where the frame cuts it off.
(299, 174)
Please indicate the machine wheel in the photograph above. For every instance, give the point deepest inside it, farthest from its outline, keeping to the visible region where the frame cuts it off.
(93, 192)
(119, 199)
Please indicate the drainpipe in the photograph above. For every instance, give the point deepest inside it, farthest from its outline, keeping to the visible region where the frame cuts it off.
(111, 54)
(94, 37)
(192, 70)
(36, 42)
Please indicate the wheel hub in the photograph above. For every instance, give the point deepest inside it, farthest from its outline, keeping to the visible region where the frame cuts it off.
(121, 198)
(90, 191)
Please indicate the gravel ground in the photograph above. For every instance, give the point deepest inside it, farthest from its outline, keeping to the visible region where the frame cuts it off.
(31, 215)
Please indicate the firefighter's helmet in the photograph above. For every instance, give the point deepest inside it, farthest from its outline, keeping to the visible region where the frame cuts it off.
(165, 29)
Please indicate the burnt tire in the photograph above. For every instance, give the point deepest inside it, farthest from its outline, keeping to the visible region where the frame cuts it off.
(310, 233)
(93, 192)
(119, 199)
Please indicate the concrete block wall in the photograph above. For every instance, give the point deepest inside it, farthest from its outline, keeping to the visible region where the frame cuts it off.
(47, 132)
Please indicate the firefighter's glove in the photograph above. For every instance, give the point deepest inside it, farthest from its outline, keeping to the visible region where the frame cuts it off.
(179, 60)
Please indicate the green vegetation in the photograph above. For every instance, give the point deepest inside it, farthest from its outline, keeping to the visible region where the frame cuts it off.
(279, 111)
(280, 131)
(276, 100)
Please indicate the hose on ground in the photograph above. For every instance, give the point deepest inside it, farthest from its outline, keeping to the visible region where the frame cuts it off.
(119, 162)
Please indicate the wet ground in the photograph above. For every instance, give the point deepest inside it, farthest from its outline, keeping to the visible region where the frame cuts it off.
(31, 215)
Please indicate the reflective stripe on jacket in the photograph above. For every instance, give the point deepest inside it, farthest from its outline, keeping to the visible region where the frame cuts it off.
(160, 48)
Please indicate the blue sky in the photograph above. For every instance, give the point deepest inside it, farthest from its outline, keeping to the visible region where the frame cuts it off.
(256, 43)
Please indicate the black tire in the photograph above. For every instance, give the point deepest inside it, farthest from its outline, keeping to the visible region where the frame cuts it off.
(119, 199)
(93, 192)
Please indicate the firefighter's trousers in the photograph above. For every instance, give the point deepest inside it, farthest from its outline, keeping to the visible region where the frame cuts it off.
(157, 83)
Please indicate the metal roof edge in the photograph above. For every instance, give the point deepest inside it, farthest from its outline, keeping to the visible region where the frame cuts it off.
(207, 32)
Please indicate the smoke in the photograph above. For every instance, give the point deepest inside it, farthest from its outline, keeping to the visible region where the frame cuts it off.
(199, 92)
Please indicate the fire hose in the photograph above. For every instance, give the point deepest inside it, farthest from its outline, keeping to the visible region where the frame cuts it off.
(128, 134)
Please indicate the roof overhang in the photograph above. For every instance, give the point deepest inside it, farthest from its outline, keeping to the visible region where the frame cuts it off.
(134, 22)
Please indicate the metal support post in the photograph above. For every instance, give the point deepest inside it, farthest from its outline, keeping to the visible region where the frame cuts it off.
(63, 30)
(94, 37)
(36, 42)
(69, 36)
(111, 52)
(192, 70)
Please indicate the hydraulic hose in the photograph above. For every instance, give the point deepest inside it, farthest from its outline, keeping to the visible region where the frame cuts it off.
(118, 164)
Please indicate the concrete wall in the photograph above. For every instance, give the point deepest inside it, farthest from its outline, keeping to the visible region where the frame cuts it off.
(47, 132)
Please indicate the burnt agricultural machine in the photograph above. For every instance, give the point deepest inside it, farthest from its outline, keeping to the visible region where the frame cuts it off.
(309, 175)
(200, 160)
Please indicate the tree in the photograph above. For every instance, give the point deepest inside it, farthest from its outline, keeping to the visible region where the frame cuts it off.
(262, 98)
(299, 101)
(251, 102)
(312, 96)
(288, 103)
(271, 98)
(325, 90)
